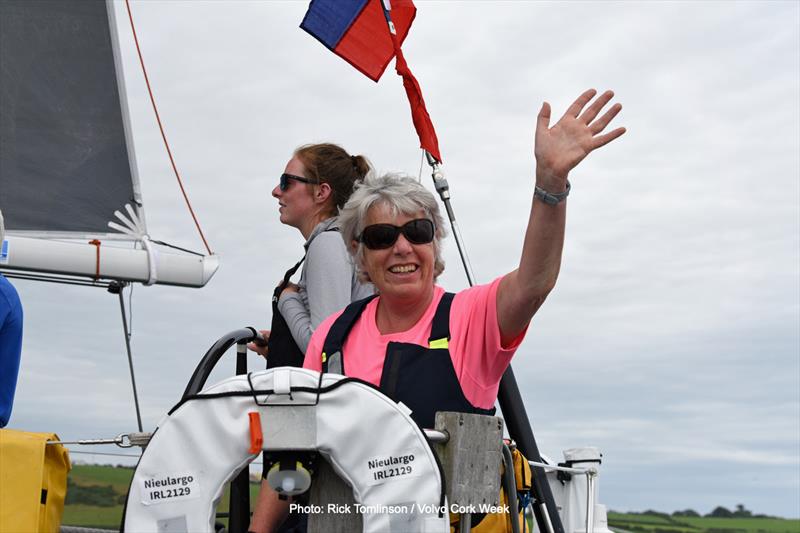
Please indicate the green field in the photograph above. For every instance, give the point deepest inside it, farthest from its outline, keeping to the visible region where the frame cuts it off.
(118, 479)
(768, 525)
(647, 523)
(110, 516)
(95, 475)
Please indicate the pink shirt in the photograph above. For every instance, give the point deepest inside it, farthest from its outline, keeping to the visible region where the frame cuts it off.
(478, 357)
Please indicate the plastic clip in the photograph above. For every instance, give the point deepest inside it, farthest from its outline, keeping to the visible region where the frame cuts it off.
(256, 435)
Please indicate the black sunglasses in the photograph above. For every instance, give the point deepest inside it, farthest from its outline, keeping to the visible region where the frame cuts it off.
(283, 184)
(382, 236)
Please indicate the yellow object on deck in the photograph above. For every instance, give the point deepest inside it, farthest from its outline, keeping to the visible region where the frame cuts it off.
(33, 481)
(500, 522)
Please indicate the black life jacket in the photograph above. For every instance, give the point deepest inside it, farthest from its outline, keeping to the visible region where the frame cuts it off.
(424, 379)
(282, 348)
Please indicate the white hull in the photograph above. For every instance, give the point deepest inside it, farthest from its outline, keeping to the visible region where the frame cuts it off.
(122, 264)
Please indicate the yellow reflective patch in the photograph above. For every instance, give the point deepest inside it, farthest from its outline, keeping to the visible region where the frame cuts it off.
(438, 344)
(324, 357)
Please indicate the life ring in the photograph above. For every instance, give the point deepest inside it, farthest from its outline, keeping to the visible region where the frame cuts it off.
(204, 442)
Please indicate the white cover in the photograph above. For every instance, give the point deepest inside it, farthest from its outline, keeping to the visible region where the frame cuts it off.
(589, 454)
(204, 444)
(570, 497)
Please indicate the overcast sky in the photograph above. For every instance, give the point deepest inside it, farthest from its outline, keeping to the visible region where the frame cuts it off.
(672, 341)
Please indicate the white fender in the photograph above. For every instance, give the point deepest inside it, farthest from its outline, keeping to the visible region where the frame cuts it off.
(370, 441)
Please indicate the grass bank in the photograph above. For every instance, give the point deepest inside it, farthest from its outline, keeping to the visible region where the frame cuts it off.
(646, 523)
(107, 485)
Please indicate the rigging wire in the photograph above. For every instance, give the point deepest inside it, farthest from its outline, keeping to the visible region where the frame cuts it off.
(53, 278)
(443, 188)
(162, 243)
(161, 128)
(134, 455)
(130, 312)
(117, 288)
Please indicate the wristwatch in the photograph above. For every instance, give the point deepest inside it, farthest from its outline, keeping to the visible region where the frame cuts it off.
(550, 198)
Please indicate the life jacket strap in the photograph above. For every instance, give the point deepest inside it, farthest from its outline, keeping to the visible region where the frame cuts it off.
(340, 328)
(334, 341)
(440, 326)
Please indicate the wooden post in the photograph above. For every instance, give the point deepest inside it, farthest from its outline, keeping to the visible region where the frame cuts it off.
(471, 458)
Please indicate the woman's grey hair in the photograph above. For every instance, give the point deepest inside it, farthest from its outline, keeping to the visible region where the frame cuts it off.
(401, 194)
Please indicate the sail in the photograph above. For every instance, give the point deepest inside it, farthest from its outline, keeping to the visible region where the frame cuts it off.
(64, 164)
(67, 164)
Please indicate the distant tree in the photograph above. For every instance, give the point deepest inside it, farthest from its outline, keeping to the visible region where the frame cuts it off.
(720, 512)
(651, 512)
(686, 512)
(741, 512)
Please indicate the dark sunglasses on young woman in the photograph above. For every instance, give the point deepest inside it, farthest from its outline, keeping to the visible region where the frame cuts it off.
(283, 184)
(382, 236)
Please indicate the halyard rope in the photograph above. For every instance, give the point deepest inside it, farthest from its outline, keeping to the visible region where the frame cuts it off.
(161, 128)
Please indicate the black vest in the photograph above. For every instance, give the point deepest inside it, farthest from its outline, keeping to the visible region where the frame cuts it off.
(282, 349)
(424, 379)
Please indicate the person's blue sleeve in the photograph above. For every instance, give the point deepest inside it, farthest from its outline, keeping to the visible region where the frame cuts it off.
(10, 347)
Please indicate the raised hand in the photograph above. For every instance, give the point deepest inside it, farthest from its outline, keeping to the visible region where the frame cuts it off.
(559, 149)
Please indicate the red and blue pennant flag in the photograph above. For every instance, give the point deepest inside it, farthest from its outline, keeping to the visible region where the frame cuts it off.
(356, 30)
(367, 34)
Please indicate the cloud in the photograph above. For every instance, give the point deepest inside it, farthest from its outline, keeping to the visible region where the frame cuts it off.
(672, 340)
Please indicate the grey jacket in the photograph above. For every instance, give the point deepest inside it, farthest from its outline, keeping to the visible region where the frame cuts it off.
(327, 284)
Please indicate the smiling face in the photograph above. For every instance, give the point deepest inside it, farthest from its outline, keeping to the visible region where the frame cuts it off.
(402, 273)
(296, 203)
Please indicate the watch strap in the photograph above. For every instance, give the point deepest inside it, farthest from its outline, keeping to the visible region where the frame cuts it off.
(551, 198)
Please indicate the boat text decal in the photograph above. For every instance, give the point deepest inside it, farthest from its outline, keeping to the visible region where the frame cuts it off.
(169, 488)
(391, 467)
